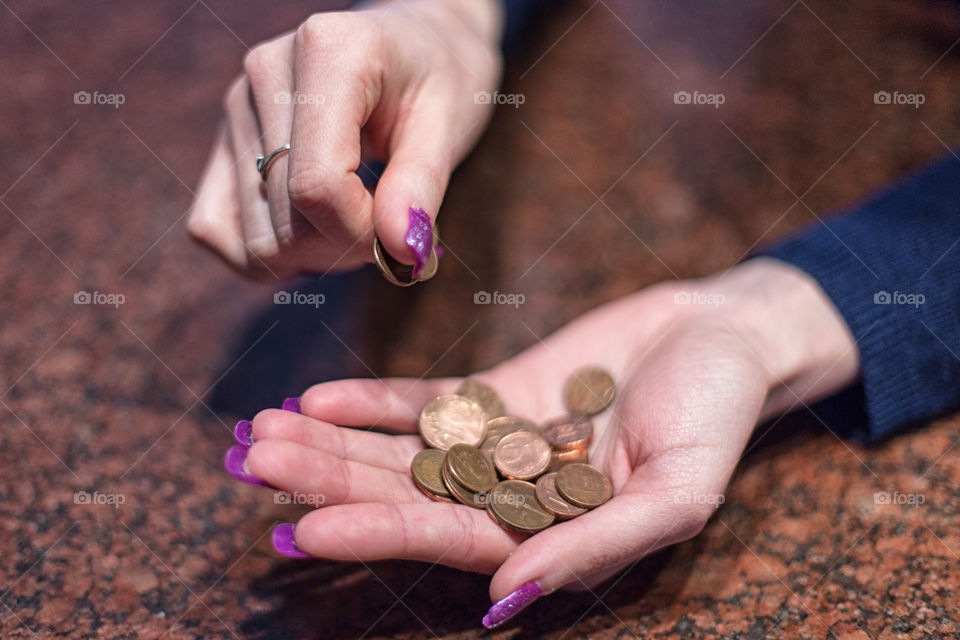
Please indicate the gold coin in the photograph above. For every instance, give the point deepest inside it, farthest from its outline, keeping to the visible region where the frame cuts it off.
(568, 432)
(522, 455)
(563, 458)
(583, 486)
(484, 395)
(500, 427)
(551, 501)
(426, 474)
(402, 274)
(588, 391)
(449, 420)
(469, 468)
(461, 493)
(513, 504)
(395, 272)
(433, 262)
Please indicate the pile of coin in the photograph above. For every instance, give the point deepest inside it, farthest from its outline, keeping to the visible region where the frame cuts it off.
(526, 476)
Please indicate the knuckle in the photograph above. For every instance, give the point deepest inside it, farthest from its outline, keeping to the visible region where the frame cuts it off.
(329, 28)
(201, 228)
(601, 560)
(693, 518)
(264, 251)
(257, 61)
(310, 188)
(237, 88)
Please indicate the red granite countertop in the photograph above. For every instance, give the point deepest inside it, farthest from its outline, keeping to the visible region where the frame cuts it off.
(136, 402)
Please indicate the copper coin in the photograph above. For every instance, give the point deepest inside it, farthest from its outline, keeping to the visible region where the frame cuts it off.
(426, 474)
(461, 493)
(395, 272)
(497, 428)
(588, 391)
(522, 455)
(583, 486)
(562, 458)
(551, 501)
(449, 420)
(513, 504)
(568, 432)
(484, 395)
(469, 468)
(402, 274)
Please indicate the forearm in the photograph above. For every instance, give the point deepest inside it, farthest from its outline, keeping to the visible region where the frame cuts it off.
(891, 268)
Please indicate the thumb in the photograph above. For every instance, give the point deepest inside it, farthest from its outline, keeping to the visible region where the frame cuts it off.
(409, 194)
(648, 514)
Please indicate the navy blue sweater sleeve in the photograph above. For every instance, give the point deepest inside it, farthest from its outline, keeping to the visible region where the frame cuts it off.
(892, 268)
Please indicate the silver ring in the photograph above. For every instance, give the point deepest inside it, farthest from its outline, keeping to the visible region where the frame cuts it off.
(264, 162)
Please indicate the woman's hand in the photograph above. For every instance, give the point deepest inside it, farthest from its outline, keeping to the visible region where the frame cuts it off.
(393, 82)
(697, 364)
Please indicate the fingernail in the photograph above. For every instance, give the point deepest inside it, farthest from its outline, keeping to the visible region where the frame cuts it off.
(419, 237)
(243, 433)
(235, 461)
(291, 404)
(284, 541)
(511, 605)
(439, 251)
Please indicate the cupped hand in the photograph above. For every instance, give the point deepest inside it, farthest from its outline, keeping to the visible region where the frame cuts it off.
(697, 364)
(395, 82)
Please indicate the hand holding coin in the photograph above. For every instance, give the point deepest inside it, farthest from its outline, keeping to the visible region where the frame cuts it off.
(690, 384)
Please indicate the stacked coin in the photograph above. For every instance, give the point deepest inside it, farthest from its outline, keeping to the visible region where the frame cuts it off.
(526, 477)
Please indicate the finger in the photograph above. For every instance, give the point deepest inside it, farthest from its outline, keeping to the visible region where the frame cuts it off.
(359, 445)
(258, 234)
(269, 68)
(581, 552)
(450, 534)
(214, 219)
(294, 467)
(336, 93)
(393, 403)
(413, 183)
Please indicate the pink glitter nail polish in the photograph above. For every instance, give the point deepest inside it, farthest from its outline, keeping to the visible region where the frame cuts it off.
(513, 604)
(419, 237)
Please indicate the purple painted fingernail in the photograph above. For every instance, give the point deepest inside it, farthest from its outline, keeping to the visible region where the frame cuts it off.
(439, 251)
(235, 462)
(511, 605)
(291, 404)
(243, 433)
(419, 237)
(284, 541)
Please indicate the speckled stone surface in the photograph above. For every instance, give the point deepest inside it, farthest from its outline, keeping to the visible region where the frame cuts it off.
(135, 404)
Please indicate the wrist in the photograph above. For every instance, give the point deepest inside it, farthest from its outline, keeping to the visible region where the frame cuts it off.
(793, 329)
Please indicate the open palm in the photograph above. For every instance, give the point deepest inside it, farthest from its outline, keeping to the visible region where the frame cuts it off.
(692, 383)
